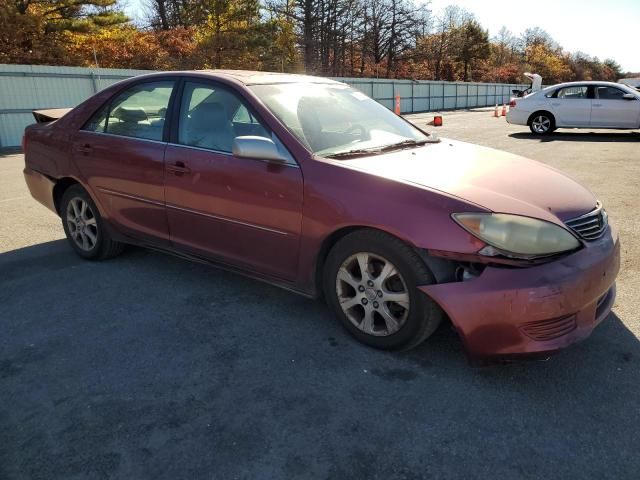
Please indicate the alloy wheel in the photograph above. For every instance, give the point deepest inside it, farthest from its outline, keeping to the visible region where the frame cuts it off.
(81, 220)
(541, 124)
(372, 294)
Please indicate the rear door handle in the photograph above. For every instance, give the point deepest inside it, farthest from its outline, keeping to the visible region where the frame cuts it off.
(178, 168)
(86, 148)
(597, 104)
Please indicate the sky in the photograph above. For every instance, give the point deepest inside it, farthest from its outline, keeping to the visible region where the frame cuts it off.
(604, 29)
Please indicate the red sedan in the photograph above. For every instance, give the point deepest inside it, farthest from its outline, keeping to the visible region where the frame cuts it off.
(310, 185)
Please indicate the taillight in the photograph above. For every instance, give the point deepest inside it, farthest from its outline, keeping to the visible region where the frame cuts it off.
(512, 103)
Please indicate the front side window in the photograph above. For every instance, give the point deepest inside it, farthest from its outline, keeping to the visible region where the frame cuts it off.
(570, 93)
(610, 93)
(138, 112)
(334, 119)
(212, 117)
(244, 116)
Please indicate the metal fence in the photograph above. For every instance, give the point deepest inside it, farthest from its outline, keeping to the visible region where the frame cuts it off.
(24, 88)
(427, 96)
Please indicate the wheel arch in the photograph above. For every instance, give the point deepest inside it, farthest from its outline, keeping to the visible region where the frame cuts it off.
(61, 186)
(325, 247)
(441, 269)
(538, 112)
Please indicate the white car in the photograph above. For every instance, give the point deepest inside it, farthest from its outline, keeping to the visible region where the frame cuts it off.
(577, 105)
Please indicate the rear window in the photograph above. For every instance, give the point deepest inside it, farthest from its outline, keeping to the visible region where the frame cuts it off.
(570, 93)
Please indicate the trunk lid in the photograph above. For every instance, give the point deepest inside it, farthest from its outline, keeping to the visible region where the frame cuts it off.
(49, 115)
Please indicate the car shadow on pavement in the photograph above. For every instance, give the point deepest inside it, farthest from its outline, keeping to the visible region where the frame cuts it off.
(580, 136)
(148, 366)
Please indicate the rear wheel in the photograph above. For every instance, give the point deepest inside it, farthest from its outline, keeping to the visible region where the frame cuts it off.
(542, 123)
(370, 282)
(84, 227)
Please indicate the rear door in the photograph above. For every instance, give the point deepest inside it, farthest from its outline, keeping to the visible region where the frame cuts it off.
(572, 106)
(610, 109)
(242, 211)
(120, 152)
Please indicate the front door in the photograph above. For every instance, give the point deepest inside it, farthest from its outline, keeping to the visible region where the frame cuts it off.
(244, 212)
(120, 152)
(610, 109)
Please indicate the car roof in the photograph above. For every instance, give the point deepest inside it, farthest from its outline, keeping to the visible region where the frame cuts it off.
(584, 82)
(250, 77)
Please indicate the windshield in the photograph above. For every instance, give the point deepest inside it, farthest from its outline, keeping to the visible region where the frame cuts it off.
(336, 119)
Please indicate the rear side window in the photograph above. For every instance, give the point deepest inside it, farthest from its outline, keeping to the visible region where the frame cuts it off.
(98, 123)
(570, 93)
(610, 93)
(138, 112)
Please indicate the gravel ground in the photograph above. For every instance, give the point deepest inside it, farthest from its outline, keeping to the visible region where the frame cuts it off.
(148, 366)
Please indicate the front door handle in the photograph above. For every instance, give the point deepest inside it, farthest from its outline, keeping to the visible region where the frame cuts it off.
(86, 148)
(597, 104)
(178, 168)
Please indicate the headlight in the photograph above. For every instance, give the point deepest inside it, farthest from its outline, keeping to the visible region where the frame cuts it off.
(520, 236)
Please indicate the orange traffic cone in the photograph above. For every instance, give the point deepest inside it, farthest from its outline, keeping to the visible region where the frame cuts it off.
(504, 110)
(496, 113)
(397, 105)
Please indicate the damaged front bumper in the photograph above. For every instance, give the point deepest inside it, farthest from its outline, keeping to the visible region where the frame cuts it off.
(535, 310)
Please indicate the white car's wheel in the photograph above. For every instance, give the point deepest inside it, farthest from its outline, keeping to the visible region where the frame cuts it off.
(542, 123)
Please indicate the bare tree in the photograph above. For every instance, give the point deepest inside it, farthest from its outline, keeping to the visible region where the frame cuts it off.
(340, 37)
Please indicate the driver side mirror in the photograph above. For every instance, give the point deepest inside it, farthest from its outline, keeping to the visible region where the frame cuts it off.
(259, 148)
(629, 96)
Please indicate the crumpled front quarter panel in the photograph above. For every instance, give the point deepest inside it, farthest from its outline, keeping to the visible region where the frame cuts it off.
(491, 310)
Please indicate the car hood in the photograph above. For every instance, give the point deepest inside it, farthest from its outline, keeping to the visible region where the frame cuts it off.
(493, 179)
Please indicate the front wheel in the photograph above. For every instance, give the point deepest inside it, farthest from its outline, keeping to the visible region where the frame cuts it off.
(370, 282)
(542, 124)
(84, 228)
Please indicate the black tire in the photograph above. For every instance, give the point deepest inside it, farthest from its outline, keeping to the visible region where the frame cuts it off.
(104, 246)
(542, 123)
(423, 316)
